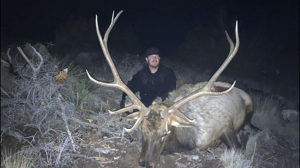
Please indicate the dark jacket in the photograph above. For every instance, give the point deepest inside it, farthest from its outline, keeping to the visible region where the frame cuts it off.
(151, 85)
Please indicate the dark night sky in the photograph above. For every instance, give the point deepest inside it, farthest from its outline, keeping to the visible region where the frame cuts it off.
(167, 23)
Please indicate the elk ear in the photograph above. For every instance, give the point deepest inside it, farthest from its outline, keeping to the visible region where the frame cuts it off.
(177, 121)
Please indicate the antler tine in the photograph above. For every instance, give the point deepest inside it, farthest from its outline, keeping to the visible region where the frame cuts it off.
(117, 82)
(195, 95)
(206, 90)
(230, 42)
(230, 56)
(137, 104)
(103, 43)
(128, 108)
(112, 23)
(137, 123)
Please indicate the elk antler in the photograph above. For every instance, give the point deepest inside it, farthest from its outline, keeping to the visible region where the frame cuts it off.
(206, 90)
(117, 82)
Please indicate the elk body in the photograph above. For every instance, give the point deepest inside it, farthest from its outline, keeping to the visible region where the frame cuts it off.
(214, 116)
(193, 116)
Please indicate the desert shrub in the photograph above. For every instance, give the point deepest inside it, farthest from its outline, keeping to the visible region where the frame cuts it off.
(269, 150)
(263, 149)
(42, 113)
(30, 111)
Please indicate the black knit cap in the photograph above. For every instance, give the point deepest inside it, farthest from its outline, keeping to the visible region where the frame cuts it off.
(151, 51)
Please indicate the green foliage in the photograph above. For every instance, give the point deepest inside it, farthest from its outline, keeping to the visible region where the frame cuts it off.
(77, 88)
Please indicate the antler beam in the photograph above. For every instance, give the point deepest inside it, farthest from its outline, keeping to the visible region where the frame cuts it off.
(117, 82)
(206, 90)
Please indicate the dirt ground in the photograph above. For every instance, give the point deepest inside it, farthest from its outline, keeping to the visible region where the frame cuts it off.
(270, 151)
(263, 150)
(126, 156)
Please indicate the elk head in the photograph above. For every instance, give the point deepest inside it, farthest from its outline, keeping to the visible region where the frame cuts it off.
(158, 120)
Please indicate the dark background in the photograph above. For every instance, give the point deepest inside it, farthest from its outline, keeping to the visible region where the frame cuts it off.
(190, 31)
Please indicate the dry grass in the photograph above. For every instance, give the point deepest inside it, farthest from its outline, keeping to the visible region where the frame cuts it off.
(232, 158)
(21, 159)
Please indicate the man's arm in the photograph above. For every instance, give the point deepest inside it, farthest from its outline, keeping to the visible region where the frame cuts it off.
(169, 84)
(132, 85)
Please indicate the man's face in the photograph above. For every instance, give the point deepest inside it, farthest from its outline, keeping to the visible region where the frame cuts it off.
(153, 60)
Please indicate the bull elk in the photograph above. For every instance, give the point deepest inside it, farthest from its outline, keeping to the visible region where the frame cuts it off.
(217, 109)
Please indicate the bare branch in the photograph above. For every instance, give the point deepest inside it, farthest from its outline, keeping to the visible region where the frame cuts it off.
(37, 69)
(4, 92)
(61, 149)
(66, 123)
